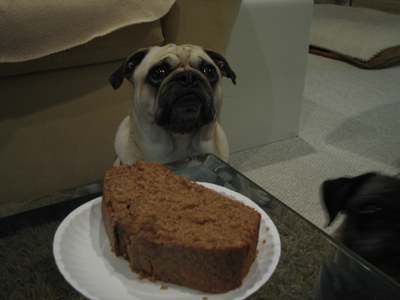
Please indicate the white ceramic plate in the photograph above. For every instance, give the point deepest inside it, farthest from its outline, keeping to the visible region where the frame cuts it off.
(83, 255)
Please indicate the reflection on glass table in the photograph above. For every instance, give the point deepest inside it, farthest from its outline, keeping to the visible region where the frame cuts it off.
(312, 264)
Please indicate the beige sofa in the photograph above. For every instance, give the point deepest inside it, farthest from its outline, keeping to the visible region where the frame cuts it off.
(59, 114)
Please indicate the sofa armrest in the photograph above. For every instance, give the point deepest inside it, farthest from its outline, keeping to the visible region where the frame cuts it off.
(207, 23)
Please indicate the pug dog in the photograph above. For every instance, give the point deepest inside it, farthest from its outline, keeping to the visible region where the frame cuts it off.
(371, 225)
(176, 103)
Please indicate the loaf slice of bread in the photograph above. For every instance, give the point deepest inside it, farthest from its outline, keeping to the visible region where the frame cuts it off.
(177, 231)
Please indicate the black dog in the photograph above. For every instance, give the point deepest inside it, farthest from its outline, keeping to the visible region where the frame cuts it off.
(371, 228)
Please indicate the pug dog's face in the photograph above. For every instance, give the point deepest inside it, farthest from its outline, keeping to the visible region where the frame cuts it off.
(176, 87)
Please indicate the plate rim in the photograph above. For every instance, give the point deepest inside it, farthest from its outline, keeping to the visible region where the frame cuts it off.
(64, 225)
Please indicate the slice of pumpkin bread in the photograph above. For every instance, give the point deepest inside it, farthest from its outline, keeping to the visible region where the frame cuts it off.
(177, 231)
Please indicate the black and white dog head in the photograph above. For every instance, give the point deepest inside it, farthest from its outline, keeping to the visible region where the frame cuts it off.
(371, 228)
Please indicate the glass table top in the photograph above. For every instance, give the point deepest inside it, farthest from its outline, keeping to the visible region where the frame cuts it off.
(312, 264)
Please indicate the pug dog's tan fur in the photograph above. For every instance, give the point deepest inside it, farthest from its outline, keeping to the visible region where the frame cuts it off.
(177, 100)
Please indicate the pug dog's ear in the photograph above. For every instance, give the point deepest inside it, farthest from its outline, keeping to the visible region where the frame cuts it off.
(222, 64)
(337, 192)
(125, 70)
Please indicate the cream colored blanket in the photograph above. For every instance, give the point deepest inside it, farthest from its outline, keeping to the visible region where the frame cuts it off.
(31, 29)
(354, 31)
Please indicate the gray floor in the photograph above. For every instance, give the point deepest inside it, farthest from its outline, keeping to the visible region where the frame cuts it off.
(350, 125)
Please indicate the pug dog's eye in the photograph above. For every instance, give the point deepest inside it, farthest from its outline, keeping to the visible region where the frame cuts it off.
(211, 74)
(157, 75)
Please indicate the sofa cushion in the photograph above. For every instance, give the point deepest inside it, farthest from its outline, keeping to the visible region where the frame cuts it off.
(57, 129)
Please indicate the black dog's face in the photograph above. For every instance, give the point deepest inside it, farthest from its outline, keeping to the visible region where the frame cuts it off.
(371, 227)
(176, 87)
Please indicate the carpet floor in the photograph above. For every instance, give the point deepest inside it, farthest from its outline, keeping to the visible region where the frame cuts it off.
(350, 124)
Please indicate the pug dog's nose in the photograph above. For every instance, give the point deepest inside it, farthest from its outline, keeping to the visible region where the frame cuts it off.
(188, 78)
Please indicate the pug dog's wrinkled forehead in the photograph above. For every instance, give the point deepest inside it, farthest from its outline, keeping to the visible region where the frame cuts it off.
(185, 56)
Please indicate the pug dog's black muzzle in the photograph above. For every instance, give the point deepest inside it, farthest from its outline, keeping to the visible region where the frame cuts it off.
(185, 104)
